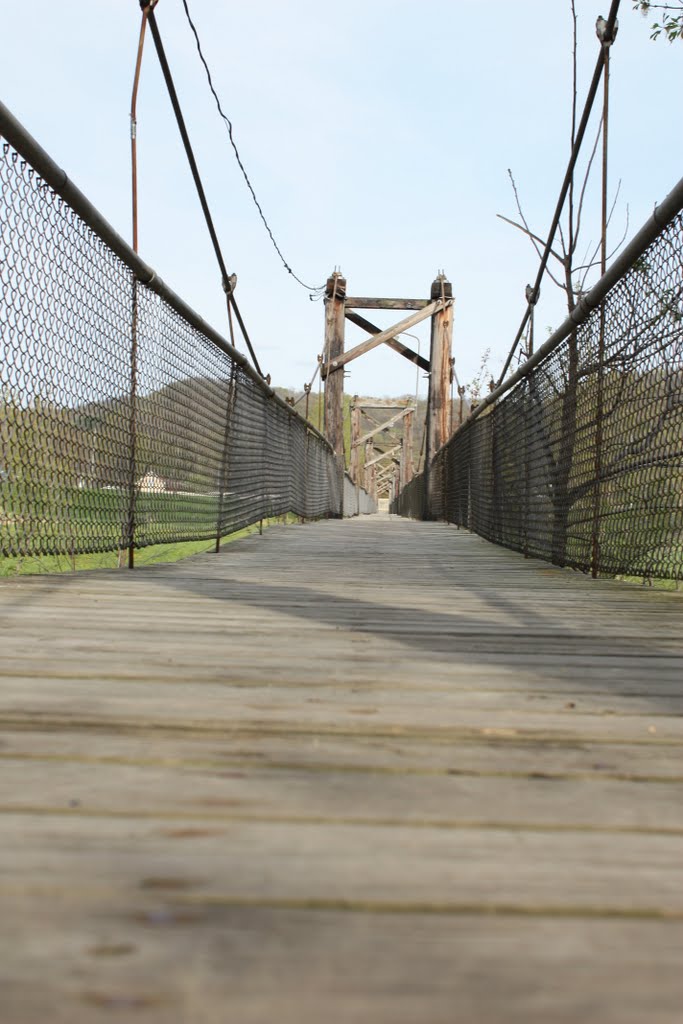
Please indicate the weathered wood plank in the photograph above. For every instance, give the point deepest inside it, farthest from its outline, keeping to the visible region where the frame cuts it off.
(129, 957)
(216, 792)
(488, 757)
(384, 455)
(379, 751)
(364, 302)
(589, 873)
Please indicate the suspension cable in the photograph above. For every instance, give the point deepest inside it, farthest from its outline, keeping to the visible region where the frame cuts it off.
(227, 281)
(229, 126)
(599, 68)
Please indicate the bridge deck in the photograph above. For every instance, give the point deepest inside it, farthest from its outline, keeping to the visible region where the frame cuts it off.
(373, 771)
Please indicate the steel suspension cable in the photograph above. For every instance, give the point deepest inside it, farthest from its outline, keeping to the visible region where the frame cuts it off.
(227, 283)
(592, 92)
(229, 126)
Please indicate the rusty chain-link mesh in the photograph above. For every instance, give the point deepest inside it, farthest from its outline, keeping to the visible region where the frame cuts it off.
(122, 424)
(581, 463)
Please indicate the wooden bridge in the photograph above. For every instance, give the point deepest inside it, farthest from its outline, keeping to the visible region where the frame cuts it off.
(368, 770)
(373, 770)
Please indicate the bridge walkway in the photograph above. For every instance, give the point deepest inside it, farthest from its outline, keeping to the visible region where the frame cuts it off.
(373, 770)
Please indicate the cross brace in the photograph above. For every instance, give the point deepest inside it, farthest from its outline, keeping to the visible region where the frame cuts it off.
(394, 343)
(383, 336)
(388, 473)
(383, 426)
(383, 455)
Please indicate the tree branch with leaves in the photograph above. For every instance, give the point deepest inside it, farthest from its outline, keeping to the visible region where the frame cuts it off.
(670, 25)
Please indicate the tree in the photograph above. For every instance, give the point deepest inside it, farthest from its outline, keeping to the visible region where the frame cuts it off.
(671, 24)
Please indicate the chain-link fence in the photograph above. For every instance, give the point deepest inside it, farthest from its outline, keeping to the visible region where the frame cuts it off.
(410, 501)
(357, 501)
(125, 420)
(581, 461)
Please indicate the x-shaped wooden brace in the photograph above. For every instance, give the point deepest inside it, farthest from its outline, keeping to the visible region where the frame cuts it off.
(384, 337)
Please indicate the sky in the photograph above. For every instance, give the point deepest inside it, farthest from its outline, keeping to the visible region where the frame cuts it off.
(378, 137)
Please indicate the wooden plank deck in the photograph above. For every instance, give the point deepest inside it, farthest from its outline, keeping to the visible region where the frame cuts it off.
(373, 771)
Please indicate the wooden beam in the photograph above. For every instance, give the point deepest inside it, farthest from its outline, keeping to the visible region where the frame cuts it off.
(369, 416)
(383, 426)
(389, 476)
(389, 468)
(384, 455)
(438, 401)
(335, 363)
(334, 383)
(388, 440)
(378, 423)
(363, 302)
(380, 403)
(394, 343)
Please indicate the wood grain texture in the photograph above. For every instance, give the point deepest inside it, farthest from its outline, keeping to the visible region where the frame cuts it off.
(366, 302)
(369, 770)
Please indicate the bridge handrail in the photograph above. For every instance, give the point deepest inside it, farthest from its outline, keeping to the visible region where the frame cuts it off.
(125, 419)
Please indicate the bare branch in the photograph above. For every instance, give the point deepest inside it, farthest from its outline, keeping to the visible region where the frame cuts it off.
(562, 243)
(521, 214)
(585, 183)
(587, 267)
(530, 234)
(623, 237)
(592, 262)
(553, 278)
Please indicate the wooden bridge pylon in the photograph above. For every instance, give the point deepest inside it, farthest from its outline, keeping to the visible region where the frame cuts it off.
(339, 308)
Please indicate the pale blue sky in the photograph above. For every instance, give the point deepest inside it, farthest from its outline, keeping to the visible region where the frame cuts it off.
(378, 137)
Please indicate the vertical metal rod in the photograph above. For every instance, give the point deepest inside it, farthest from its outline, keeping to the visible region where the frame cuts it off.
(527, 460)
(134, 129)
(605, 127)
(132, 428)
(306, 459)
(600, 398)
(224, 470)
(130, 529)
(307, 389)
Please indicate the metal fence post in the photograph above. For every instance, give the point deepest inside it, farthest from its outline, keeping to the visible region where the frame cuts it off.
(225, 456)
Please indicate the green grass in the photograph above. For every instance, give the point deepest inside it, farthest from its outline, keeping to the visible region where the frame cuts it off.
(654, 582)
(152, 555)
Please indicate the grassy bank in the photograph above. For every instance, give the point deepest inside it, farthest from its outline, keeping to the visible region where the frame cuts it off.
(152, 555)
